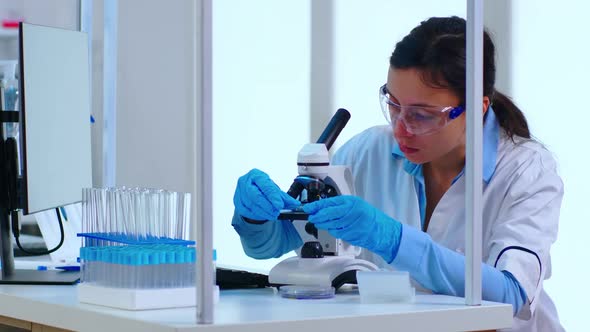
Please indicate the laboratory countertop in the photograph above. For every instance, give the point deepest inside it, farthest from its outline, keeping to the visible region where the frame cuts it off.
(254, 310)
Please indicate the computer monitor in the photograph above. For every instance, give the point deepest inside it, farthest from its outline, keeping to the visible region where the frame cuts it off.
(54, 135)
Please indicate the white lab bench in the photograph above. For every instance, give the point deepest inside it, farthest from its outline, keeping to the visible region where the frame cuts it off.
(44, 308)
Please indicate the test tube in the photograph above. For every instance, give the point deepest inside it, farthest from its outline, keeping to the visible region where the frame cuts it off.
(171, 218)
(152, 213)
(84, 210)
(108, 215)
(119, 212)
(102, 194)
(95, 211)
(186, 216)
(155, 220)
(86, 214)
(92, 210)
(145, 217)
(128, 212)
(137, 207)
(163, 214)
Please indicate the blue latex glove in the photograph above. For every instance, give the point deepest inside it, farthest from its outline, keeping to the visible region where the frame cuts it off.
(354, 220)
(258, 197)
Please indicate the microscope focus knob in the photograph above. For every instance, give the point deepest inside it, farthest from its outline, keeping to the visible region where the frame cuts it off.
(312, 249)
(311, 229)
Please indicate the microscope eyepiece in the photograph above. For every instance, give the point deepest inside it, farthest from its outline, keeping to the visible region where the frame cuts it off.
(334, 127)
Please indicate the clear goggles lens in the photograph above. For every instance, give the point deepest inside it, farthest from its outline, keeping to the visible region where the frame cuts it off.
(418, 120)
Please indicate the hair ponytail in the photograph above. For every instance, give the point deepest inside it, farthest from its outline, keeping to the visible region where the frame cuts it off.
(510, 117)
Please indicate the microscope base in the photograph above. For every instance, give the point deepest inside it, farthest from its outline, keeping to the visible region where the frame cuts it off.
(327, 271)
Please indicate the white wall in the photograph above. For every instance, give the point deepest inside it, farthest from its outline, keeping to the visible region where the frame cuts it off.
(155, 92)
(261, 51)
(550, 83)
(365, 35)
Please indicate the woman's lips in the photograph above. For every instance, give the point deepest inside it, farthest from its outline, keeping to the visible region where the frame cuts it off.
(406, 149)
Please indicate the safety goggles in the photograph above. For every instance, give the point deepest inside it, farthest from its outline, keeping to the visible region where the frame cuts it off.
(418, 120)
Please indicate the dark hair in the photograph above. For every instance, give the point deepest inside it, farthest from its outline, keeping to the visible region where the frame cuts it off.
(437, 49)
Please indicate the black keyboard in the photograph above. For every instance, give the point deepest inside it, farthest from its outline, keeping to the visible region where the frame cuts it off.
(235, 279)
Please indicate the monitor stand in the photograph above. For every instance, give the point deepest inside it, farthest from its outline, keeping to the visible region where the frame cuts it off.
(8, 204)
(10, 275)
(35, 277)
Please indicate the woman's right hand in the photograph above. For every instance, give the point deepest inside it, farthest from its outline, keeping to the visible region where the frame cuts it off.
(257, 197)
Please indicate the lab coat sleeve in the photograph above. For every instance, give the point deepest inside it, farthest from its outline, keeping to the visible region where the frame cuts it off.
(269, 240)
(345, 154)
(527, 226)
(443, 271)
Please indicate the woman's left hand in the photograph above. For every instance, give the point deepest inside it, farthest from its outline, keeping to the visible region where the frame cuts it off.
(354, 220)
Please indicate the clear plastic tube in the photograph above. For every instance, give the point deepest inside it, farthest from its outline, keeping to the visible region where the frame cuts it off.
(139, 266)
(138, 214)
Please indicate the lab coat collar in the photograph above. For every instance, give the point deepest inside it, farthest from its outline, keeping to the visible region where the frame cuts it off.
(491, 134)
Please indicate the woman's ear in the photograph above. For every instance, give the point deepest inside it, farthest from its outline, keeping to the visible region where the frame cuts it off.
(486, 104)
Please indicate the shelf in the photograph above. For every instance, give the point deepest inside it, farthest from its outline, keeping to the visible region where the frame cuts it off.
(259, 309)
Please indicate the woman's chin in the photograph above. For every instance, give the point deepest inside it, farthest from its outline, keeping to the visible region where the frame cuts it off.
(416, 158)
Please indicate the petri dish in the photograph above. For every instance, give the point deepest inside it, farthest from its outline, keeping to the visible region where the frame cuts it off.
(302, 292)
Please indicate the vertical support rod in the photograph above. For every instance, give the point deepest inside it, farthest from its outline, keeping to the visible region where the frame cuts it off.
(321, 82)
(6, 253)
(85, 25)
(473, 189)
(205, 271)
(109, 88)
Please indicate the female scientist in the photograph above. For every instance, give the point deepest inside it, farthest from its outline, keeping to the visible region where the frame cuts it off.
(410, 212)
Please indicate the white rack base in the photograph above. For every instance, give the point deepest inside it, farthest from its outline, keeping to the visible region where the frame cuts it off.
(140, 299)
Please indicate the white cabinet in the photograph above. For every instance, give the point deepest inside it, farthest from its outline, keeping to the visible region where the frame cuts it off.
(8, 44)
(8, 34)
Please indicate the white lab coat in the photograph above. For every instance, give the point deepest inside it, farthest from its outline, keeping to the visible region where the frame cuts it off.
(520, 206)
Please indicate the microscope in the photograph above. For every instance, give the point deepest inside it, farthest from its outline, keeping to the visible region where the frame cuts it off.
(322, 260)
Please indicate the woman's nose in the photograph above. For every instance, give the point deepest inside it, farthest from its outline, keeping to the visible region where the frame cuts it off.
(400, 129)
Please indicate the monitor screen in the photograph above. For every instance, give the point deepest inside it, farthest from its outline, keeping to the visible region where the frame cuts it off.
(55, 122)
(54, 139)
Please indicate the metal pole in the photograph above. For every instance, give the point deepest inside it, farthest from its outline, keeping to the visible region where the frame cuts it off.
(473, 163)
(205, 281)
(109, 88)
(321, 84)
